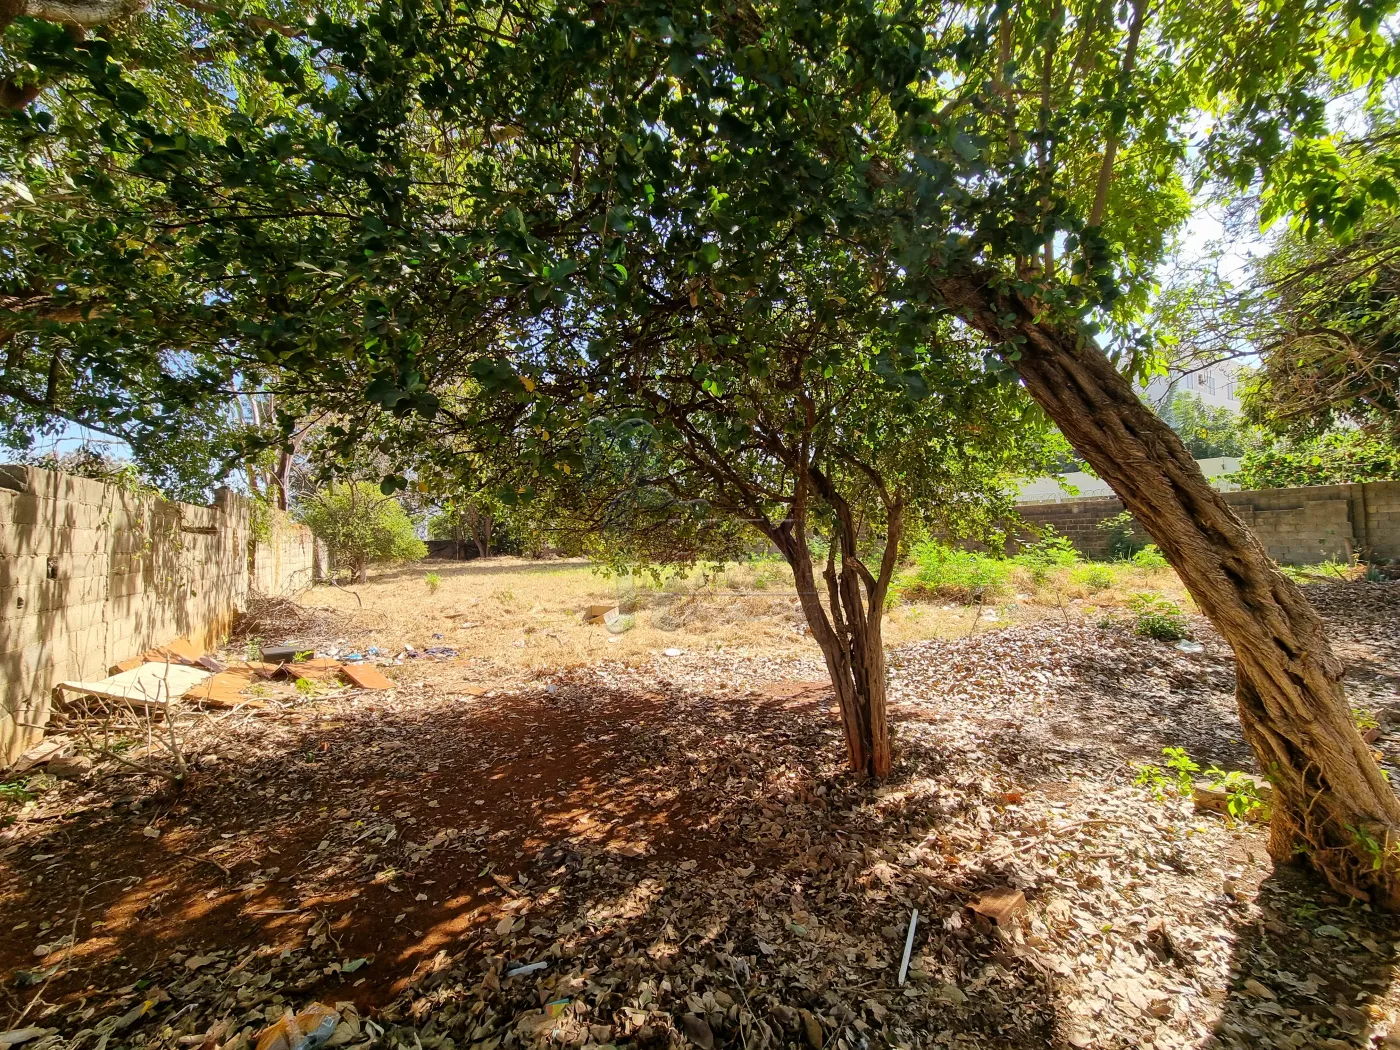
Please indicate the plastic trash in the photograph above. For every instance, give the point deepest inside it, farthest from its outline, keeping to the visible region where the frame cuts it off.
(304, 1031)
(519, 971)
(351, 658)
(1188, 646)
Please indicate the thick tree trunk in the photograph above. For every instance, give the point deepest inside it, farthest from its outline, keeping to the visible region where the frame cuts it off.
(1332, 804)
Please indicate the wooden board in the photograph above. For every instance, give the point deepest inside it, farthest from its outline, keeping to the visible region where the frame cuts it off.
(151, 684)
(366, 676)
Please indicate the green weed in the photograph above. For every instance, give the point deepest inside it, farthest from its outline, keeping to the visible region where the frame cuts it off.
(434, 581)
(1093, 578)
(956, 575)
(1157, 617)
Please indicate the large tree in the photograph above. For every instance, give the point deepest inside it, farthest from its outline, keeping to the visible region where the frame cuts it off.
(807, 414)
(1020, 168)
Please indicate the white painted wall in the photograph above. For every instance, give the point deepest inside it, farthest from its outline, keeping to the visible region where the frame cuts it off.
(1056, 488)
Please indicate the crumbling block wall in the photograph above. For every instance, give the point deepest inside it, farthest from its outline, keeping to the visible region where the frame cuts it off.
(1297, 526)
(91, 575)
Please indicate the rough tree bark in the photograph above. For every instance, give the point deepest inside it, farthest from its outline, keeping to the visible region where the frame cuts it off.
(848, 629)
(1332, 805)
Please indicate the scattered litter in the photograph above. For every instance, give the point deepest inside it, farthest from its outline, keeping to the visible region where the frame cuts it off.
(619, 623)
(304, 1031)
(672, 652)
(44, 751)
(534, 967)
(1188, 646)
(598, 613)
(151, 684)
(908, 945)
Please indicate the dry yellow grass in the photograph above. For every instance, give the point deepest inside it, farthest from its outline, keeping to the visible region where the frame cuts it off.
(509, 617)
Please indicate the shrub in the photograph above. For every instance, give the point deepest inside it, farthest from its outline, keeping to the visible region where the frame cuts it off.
(1051, 551)
(360, 527)
(1150, 558)
(434, 581)
(1157, 617)
(1122, 536)
(1093, 577)
(956, 575)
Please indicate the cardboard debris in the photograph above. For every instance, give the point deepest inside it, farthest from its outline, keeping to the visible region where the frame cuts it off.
(1000, 906)
(224, 689)
(180, 651)
(151, 684)
(45, 750)
(322, 670)
(596, 613)
(366, 676)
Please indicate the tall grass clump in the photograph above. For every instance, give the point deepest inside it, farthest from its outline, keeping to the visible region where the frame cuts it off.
(955, 575)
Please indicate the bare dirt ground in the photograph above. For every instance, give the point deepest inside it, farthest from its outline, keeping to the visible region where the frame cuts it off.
(676, 839)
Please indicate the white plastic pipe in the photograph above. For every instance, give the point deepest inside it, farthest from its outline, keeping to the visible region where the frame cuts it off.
(908, 945)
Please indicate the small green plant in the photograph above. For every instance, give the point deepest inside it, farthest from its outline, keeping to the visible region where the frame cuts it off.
(1157, 617)
(15, 792)
(1050, 552)
(1093, 578)
(434, 581)
(1178, 778)
(252, 649)
(1364, 719)
(302, 657)
(308, 687)
(1121, 529)
(1241, 792)
(1149, 558)
(954, 574)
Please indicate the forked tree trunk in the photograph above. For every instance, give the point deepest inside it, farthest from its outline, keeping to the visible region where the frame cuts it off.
(1332, 804)
(855, 661)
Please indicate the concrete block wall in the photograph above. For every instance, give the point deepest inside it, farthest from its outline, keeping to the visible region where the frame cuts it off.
(1299, 526)
(284, 561)
(91, 575)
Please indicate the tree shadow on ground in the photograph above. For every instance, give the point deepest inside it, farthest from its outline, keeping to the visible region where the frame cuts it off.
(1307, 969)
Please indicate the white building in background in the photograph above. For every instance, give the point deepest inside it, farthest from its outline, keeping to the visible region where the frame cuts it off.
(1078, 485)
(1217, 385)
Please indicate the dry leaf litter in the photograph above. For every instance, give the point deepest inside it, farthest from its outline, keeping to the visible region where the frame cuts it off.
(673, 855)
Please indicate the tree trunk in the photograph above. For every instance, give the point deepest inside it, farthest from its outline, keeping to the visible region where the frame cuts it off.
(1332, 804)
(855, 660)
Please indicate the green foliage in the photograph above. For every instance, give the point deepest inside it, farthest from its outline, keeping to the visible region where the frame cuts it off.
(89, 462)
(1241, 792)
(1149, 558)
(1122, 534)
(1336, 458)
(1051, 551)
(360, 526)
(15, 792)
(954, 574)
(1093, 577)
(1207, 432)
(1157, 617)
(1364, 719)
(433, 581)
(1178, 778)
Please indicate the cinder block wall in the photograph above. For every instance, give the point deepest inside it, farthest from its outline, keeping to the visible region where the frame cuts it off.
(91, 575)
(1301, 526)
(284, 560)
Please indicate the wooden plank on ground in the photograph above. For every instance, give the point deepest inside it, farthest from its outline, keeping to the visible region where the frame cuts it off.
(366, 676)
(150, 685)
